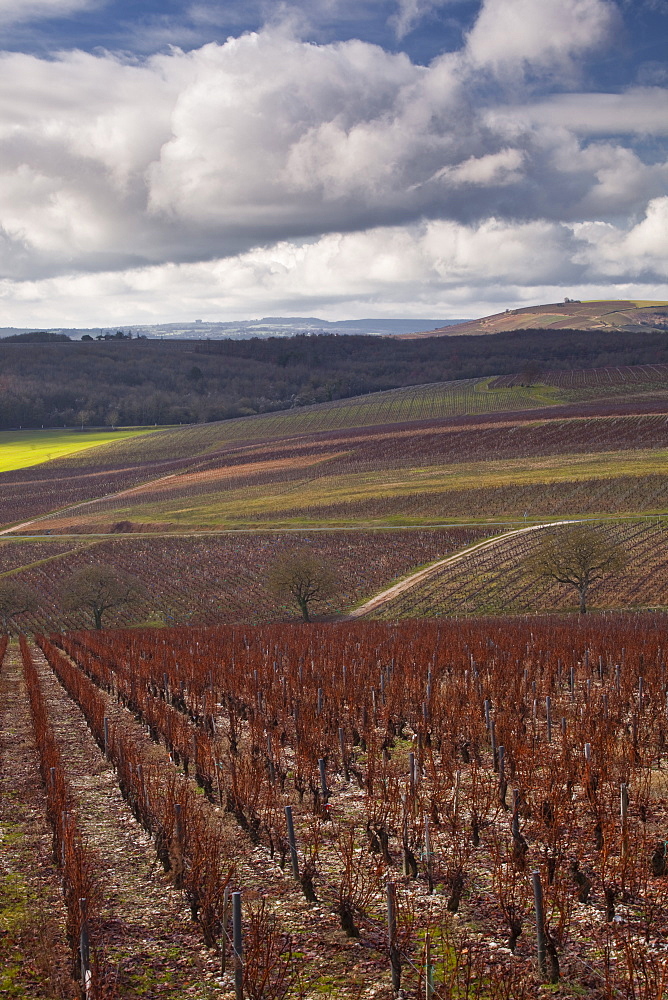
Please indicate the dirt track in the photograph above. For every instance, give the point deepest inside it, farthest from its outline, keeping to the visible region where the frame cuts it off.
(424, 574)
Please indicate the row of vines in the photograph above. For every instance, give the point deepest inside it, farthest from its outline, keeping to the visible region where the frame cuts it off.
(427, 443)
(450, 767)
(78, 865)
(222, 578)
(594, 378)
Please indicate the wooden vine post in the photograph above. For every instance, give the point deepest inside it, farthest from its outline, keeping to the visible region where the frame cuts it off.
(395, 957)
(225, 923)
(84, 948)
(428, 970)
(237, 945)
(292, 842)
(624, 814)
(342, 748)
(541, 943)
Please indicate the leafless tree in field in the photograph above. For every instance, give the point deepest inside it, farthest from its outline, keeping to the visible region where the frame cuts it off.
(579, 556)
(303, 578)
(99, 589)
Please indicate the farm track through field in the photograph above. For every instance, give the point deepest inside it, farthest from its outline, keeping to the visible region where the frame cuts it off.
(41, 959)
(147, 932)
(377, 602)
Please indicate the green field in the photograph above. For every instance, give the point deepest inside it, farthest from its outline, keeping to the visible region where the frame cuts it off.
(21, 449)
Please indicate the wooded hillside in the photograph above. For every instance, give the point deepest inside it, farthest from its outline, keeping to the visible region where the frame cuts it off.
(144, 382)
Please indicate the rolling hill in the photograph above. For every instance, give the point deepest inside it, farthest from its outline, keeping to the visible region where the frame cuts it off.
(606, 314)
(376, 485)
(407, 456)
(136, 382)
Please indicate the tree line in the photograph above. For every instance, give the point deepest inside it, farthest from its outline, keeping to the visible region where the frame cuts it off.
(129, 382)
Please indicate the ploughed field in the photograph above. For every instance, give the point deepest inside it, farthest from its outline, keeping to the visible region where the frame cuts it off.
(452, 767)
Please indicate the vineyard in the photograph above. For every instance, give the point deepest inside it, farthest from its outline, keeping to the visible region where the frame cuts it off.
(497, 580)
(219, 578)
(600, 315)
(509, 502)
(597, 380)
(215, 579)
(430, 471)
(461, 809)
(211, 801)
(217, 475)
(436, 401)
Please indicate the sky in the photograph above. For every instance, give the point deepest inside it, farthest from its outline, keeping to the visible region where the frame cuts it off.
(167, 161)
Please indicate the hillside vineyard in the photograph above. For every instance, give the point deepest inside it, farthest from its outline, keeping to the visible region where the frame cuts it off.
(449, 784)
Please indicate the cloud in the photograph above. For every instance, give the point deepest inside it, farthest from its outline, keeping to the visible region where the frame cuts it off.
(13, 12)
(640, 252)
(432, 268)
(499, 168)
(268, 161)
(637, 111)
(411, 12)
(544, 36)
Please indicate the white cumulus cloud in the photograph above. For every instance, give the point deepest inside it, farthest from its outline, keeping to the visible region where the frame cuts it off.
(510, 36)
(426, 269)
(270, 148)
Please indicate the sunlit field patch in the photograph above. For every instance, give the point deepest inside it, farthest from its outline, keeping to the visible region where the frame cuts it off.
(21, 449)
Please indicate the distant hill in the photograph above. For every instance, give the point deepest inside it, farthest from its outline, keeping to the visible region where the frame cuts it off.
(268, 326)
(38, 337)
(606, 314)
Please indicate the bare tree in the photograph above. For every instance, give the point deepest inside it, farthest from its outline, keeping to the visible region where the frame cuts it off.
(531, 373)
(15, 599)
(579, 556)
(100, 589)
(303, 578)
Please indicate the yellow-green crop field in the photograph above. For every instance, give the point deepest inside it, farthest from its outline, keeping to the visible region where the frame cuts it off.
(21, 449)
